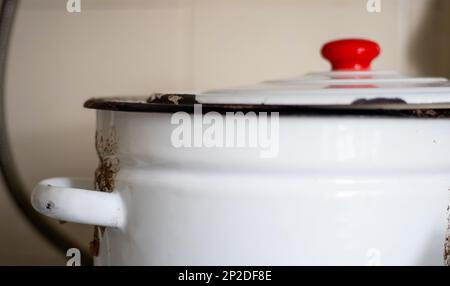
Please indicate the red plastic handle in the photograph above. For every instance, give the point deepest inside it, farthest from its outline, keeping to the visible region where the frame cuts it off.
(350, 54)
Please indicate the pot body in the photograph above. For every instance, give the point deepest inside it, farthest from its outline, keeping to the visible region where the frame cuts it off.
(341, 191)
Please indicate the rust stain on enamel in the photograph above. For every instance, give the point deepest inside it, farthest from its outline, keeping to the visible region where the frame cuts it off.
(447, 238)
(105, 174)
(109, 165)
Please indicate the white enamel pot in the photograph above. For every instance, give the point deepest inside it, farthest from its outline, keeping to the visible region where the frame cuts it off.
(348, 184)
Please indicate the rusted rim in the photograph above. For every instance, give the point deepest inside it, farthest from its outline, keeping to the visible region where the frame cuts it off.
(162, 103)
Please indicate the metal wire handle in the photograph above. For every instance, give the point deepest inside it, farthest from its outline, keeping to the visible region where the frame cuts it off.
(15, 186)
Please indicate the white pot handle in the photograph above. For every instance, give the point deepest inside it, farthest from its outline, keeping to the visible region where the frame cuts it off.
(70, 199)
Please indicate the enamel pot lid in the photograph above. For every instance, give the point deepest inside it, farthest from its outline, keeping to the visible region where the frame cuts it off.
(350, 88)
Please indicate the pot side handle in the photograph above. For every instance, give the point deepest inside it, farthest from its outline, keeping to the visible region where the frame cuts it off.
(70, 199)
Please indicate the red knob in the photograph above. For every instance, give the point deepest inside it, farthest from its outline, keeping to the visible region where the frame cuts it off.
(350, 54)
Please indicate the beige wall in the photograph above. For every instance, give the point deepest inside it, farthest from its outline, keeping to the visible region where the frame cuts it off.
(112, 47)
